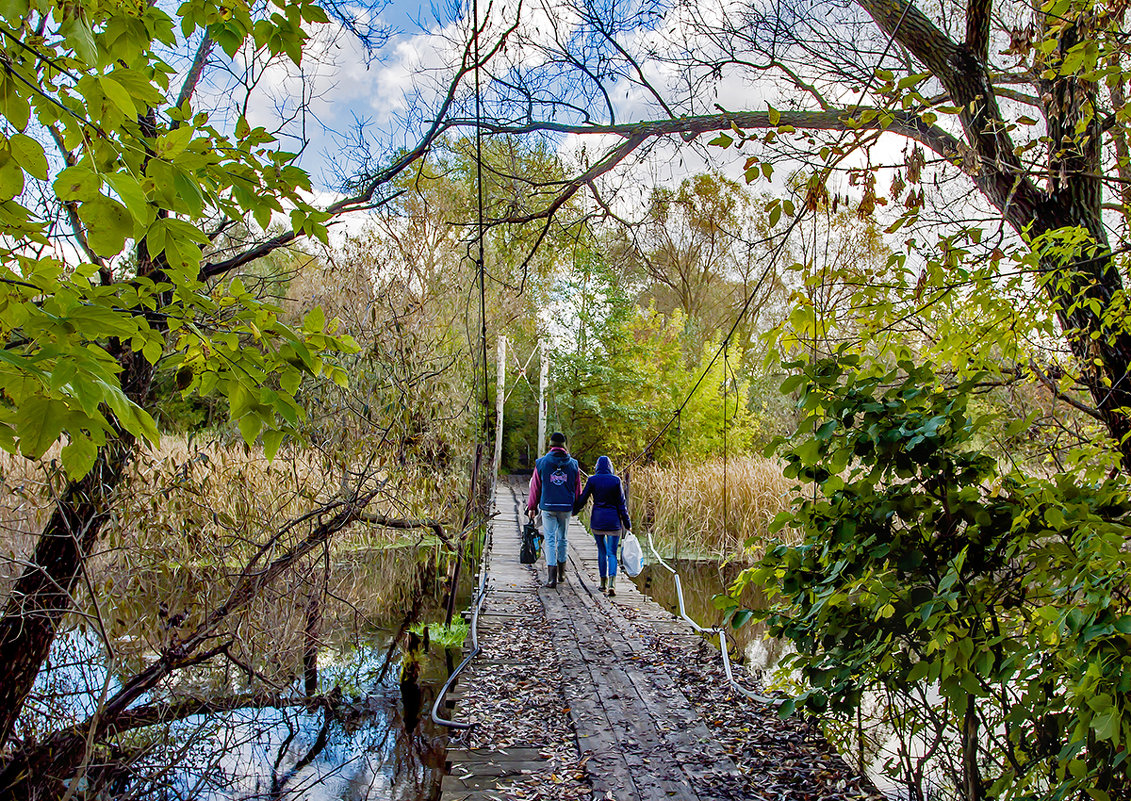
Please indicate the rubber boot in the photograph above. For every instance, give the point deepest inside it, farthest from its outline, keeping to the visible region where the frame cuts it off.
(561, 572)
(612, 586)
(604, 584)
(552, 572)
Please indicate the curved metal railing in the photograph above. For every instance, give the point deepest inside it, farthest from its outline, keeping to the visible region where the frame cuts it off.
(480, 595)
(719, 630)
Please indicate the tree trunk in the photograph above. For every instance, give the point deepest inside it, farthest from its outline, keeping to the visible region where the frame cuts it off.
(42, 596)
(1101, 347)
(971, 774)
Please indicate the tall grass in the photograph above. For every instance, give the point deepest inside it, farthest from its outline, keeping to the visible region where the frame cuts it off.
(702, 510)
(189, 517)
(189, 503)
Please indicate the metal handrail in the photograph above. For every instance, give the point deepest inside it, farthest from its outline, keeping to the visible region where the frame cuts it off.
(721, 631)
(481, 594)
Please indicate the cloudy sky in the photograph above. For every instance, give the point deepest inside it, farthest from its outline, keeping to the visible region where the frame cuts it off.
(390, 93)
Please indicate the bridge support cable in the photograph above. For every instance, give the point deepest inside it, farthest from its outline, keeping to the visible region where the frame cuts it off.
(543, 381)
(714, 630)
(500, 401)
(722, 351)
(481, 275)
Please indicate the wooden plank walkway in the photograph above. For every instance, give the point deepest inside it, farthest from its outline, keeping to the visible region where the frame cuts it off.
(636, 735)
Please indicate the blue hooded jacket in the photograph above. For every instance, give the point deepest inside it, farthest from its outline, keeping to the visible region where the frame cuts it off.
(555, 483)
(609, 510)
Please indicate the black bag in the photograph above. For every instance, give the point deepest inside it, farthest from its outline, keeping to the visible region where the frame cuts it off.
(531, 544)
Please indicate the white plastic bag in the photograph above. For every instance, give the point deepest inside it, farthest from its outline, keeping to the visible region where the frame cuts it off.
(631, 557)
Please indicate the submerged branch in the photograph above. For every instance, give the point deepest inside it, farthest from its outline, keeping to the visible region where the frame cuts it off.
(172, 711)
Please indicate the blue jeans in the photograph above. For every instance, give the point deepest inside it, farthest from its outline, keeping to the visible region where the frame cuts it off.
(555, 525)
(607, 542)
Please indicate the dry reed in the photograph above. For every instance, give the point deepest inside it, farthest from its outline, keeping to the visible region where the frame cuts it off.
(188, 519)
(700, 510)
(188, 498)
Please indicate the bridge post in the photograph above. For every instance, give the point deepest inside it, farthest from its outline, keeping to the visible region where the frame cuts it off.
(543, 380)
(500, 399)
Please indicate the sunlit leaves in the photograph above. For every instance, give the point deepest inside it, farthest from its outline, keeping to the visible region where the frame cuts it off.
(28, 154)
(108, 225)
(77, 183)
(88, 120)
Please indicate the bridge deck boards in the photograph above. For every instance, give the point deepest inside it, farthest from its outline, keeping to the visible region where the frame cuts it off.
(636, 735)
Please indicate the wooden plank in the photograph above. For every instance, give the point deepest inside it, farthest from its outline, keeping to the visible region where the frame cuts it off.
(638, 736)
(620, 730)
(503, 769)
(454, 782)
(516, 754)
(638, 731)
(676, 727)
(478, 775)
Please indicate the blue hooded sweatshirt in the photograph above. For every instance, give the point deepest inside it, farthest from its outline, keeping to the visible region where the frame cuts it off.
(609, 510)
(555, 483)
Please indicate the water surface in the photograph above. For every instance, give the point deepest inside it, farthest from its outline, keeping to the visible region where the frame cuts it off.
(374, 740)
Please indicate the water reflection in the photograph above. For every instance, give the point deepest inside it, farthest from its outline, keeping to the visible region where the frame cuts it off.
(364, 752)
(369, 741)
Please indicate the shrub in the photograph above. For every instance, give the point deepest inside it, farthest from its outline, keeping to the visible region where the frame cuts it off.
(993, 608)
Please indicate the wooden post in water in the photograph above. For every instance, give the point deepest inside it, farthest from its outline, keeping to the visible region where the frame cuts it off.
(468, 511)
(543, 380)
(313, 628)
(500, 398)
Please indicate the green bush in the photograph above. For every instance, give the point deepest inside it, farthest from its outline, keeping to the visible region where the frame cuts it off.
(989, 609)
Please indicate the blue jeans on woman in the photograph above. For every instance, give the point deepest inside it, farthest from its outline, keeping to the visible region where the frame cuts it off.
(607, 542)
(554, 526)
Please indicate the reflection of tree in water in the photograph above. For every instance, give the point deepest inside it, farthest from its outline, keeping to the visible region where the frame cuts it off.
(363, 739)
(392, 759)
(359, 749)
(411, 695)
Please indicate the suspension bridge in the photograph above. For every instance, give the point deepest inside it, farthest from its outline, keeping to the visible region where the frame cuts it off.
(569, 694)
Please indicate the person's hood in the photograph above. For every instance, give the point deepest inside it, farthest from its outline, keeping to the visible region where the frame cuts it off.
(604, 465)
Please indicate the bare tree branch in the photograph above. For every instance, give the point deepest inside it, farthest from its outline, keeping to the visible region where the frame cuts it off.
(192, 78)
(55, 758)
(363, 199)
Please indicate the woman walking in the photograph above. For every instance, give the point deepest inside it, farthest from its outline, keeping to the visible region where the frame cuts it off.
(609, 512)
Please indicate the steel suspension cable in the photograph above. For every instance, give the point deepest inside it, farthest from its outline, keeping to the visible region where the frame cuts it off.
(776, 251)
(485, 432)
(675, 418)
(479, 227)
(726, 413)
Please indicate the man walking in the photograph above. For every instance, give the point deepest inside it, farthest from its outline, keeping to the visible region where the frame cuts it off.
(554, 487)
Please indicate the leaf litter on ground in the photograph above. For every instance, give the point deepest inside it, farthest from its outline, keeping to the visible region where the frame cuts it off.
(513, 695)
